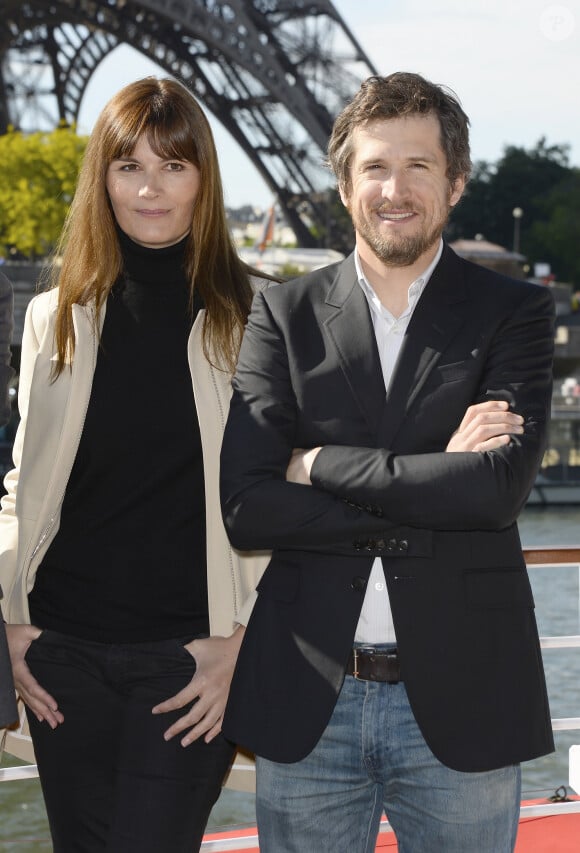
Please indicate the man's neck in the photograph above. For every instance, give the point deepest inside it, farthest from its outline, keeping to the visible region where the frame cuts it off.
(391, 283)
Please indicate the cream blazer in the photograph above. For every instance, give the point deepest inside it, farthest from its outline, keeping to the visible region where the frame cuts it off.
(52, 418)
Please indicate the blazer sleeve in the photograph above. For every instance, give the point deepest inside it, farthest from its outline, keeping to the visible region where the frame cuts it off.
(464, 490)
(34, 325)
(260, 508)
(6, 326)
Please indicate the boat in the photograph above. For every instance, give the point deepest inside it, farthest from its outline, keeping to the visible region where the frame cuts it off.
(546, 825)
(558, 481)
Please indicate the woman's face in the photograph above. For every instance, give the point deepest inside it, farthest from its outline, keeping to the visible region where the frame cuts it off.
(152, 198)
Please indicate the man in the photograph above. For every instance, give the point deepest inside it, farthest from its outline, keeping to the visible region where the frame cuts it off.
(8, 713)
(416, 387)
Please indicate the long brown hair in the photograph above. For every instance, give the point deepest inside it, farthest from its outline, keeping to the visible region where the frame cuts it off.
(88, 256)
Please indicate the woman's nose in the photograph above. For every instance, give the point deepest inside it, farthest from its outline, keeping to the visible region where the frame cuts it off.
(149, 188)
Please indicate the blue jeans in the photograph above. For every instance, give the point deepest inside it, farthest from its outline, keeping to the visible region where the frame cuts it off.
(372, 757)
(109, 779)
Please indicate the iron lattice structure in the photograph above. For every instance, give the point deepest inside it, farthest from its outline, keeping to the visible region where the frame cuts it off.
(273, 72)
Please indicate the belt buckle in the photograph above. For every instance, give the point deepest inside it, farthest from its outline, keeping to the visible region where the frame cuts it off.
(355, 659)
(355, 663)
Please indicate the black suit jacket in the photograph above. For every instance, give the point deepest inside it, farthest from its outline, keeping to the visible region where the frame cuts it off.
(444, 523)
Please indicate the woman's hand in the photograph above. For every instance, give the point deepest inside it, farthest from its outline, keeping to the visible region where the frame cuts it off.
(485, 426)
(41, 703)
(215, 659)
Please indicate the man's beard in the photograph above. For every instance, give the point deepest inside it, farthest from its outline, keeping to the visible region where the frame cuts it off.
(398, 251)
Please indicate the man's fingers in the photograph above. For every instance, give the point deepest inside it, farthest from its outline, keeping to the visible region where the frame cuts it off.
(479, 409)
(492, 443)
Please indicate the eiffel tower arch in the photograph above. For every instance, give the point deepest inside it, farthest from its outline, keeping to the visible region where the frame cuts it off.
(273, 72)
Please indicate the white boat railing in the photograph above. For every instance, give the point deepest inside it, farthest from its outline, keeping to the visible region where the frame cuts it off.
(535, 558)
(546, 558)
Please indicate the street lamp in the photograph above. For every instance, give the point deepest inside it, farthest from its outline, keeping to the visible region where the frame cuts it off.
(517, 214)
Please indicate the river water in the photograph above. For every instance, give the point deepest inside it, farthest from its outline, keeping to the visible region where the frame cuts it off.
(23, 825)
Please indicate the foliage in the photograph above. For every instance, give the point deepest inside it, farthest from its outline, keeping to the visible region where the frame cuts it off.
(541, 182)
(39, 173)
(335, 230)
(556, 233)
(289, 270)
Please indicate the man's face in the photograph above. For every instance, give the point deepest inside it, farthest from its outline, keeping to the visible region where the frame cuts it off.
(400, 196)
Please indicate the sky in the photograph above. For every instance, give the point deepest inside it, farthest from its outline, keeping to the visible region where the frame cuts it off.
(515, 65)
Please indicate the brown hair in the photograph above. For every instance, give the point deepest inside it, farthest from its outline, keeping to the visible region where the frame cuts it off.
(396, 96)
(88, 252)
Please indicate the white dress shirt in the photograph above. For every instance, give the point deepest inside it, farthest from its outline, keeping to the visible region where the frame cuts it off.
(375, 624)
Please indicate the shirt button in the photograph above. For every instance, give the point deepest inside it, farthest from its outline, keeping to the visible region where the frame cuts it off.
(379, 586)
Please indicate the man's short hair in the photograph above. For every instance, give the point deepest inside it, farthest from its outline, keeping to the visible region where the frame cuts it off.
(400, 95)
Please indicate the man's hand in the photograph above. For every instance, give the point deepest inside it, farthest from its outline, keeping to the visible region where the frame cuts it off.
(215, 659)
(485, 426)
(41, 703)
(300, 465)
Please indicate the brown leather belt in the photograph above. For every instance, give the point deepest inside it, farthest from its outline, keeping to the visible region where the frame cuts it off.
(374, 665)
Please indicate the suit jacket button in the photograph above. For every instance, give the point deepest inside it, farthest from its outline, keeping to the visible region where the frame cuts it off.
(381, 544)
(371, 545)
(391, 544)
(403, 545)
(358, 584)
(357, 545)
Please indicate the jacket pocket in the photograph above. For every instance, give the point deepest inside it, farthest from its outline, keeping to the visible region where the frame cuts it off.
(454, 372)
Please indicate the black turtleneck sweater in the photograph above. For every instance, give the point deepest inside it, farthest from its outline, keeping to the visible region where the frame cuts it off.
(128, 563)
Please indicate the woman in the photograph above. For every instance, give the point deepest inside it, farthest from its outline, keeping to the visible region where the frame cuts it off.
(122, 593)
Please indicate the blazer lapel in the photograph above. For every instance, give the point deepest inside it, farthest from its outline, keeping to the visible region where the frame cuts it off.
(437, 318)
(350, 329)
(79, 393)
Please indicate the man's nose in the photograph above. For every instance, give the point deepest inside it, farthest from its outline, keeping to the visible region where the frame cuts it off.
(395, 186)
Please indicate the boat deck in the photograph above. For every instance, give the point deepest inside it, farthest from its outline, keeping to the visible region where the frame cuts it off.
(541, 833)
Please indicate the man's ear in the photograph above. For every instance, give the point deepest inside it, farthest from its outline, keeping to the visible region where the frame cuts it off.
(344, 197)
(457, 188)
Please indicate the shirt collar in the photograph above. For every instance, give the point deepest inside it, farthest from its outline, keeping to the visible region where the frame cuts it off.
(416, 287)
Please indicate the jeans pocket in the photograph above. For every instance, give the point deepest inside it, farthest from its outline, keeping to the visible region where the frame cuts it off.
(35, 643)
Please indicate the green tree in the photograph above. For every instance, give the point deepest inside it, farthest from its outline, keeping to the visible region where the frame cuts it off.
(555, 235)
(39, 173)
(535, 180)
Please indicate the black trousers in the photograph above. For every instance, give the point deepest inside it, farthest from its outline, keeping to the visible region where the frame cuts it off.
(110, 781)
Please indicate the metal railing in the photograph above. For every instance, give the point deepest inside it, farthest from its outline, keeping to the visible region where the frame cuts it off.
(535, 557)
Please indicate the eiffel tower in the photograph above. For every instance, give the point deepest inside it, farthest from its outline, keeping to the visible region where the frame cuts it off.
(273, 72)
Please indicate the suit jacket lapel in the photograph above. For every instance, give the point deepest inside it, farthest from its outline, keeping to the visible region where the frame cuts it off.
(350, 329)
(437, 317)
